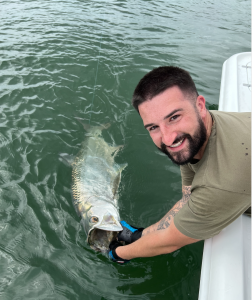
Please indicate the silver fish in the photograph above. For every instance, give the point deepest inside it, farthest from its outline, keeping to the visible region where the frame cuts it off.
(95, 181)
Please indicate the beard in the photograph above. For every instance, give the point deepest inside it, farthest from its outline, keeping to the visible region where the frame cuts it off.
(195, 142)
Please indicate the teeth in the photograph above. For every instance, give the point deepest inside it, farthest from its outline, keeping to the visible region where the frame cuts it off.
(178, 144)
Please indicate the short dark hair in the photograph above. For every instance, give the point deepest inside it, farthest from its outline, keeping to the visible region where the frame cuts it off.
(160, 79)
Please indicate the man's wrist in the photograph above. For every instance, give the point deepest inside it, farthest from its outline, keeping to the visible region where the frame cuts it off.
(136, 235)
(123, 252)
(113, 254)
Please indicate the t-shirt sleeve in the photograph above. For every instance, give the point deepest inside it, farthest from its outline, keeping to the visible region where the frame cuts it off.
(187, 175)
(201, 219)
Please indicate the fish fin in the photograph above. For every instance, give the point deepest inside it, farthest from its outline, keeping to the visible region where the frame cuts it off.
(116, 183)
(93, 129)
(77, 211)
(90, 128)
(118, 179)
(82, 207)
(123, 166)
(105, 126)
(67, 159)
(115, 150)
(87, 127)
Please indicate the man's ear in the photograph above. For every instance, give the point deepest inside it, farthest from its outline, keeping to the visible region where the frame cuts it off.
(201, 105)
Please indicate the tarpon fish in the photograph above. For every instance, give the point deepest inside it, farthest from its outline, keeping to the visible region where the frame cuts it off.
(95, 181)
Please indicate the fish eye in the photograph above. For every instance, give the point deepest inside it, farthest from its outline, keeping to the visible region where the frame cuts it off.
(94, 219)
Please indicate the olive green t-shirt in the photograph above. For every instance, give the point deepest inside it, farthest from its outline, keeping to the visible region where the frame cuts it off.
(221, 180)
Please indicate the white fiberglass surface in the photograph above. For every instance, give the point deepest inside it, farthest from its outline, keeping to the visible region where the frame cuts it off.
(226, 264)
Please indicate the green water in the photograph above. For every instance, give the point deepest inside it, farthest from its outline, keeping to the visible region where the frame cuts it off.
(61, 59)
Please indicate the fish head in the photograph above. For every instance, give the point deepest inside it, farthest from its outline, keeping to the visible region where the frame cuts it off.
(103, 224)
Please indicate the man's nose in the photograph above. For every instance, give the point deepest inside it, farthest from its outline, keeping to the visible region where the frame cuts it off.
(168, 136)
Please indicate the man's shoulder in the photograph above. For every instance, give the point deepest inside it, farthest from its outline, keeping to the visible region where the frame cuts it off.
(231, 129)
(231, 117)
(226, 113)
(226, 163)
(209, 210)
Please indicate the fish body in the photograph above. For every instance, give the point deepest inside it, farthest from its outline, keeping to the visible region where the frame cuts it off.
(95, 181)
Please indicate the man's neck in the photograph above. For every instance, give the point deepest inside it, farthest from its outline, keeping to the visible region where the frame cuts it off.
(208, 122)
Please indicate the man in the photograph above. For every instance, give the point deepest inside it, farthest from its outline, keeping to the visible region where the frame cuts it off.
(213, 151)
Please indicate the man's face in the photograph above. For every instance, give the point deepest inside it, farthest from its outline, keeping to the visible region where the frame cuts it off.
(175, 124)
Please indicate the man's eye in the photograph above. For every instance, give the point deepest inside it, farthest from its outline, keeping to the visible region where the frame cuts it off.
(152, 128)
(174, 117)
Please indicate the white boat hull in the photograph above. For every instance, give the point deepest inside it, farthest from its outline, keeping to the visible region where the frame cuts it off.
(226, 264)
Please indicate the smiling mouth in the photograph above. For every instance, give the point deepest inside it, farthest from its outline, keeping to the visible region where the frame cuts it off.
(177, 144)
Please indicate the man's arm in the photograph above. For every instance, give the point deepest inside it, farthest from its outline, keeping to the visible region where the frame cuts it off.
(156, 243)
(160, 238)
(166, 220)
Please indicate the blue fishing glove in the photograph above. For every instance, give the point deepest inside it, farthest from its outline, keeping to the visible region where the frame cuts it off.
(129, 234)
(112, 253)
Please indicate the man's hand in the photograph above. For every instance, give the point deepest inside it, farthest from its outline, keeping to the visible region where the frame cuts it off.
(112, 253)
(129, 234)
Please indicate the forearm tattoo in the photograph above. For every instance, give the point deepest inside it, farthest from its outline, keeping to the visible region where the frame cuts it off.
(166, 220)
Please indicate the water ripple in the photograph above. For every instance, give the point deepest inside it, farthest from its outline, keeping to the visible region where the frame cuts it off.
(61, 60)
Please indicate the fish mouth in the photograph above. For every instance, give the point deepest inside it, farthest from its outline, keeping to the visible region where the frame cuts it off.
(99, 240)
(103, 235)
(104, 232)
